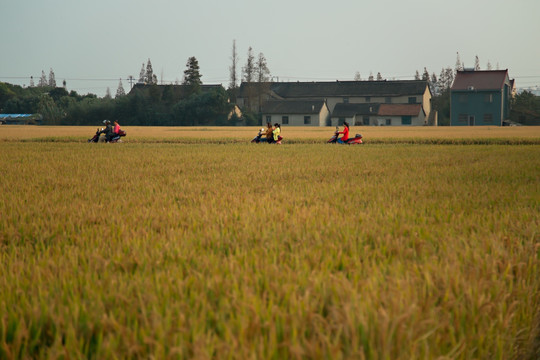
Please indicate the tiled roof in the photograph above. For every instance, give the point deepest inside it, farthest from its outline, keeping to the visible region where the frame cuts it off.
(292, 107)
(349, 109)
(480, 80)
(400, 109)
(342, 88)
(177, 89)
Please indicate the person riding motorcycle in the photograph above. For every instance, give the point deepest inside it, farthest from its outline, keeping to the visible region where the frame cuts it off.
(116, 130)
(276, 133)
(269, 135)
(345, 133)
(108, 130)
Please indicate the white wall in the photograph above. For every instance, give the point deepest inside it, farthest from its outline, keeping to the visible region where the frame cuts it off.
(298, 119)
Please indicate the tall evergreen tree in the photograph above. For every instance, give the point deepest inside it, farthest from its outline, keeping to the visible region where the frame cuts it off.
(476, 63)
(357, 76)
(425, 75)
(108, 93)
(379, 76)
(142, 74)
(120, 91)
(417, 75)
(248, 71)
(434, 85)
(149, 76)
(192, 75)
(32, 81)
(370, 78)
(52, 80)
(489, 66)
(64, 84)
(42, 80)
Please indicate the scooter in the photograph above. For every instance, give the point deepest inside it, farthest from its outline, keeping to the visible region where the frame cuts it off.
(357, 139)
(259, 139)
(116, 138)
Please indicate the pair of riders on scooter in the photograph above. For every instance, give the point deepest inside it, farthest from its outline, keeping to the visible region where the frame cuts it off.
(109, 131)
(272, 133)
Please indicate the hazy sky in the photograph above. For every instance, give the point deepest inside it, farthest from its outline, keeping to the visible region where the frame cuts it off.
(92, 44)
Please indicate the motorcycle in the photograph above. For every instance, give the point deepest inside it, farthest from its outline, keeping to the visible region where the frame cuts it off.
(357, 139)
(259, 139)
(116, 138)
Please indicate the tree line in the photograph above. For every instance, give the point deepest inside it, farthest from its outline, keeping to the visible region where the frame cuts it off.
(189, 103)
(146, 104)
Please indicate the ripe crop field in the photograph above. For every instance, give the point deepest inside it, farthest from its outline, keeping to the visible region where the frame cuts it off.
(194, 243)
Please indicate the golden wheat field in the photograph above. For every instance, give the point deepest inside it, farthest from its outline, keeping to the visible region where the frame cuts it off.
(180, 243)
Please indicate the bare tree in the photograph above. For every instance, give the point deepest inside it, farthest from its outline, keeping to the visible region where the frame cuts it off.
(476, 63)
(357, 76)
(42, 80)
(263, 78)
(233, 80)
(248, 71)
(459, 65)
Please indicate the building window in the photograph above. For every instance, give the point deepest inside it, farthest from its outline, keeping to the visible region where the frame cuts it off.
(368, 99)
(388, 121)
(284, 120)
(488, 118)
(366, 120)
(345, 100)
(463, 98)
(462, 118)
(488, 98)
(388, 100)
(307, 120)
(269, 119)
(406, 120)
(412, 100)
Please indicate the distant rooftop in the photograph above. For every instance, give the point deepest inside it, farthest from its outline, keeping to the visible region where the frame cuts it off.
(480, 80)
(341, 88)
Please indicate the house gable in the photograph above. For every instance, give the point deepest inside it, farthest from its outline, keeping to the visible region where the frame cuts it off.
(480, 98)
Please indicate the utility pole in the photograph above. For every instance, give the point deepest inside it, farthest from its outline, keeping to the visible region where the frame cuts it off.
(131, 80)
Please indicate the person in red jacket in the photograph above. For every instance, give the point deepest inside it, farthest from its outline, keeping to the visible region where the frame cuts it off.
(345, 133)
(116, 127)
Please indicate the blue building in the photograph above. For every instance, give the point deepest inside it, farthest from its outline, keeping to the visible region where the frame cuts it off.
(480, 98)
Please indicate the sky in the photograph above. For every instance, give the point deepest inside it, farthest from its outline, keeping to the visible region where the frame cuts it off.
(93, 44)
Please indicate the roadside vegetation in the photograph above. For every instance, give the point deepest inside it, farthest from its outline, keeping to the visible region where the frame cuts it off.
(195, 249)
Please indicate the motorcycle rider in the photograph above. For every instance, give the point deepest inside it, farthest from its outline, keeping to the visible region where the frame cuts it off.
(276, 132)
(108, 130)
(268, 133)
(345, 132)
(116, 127)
